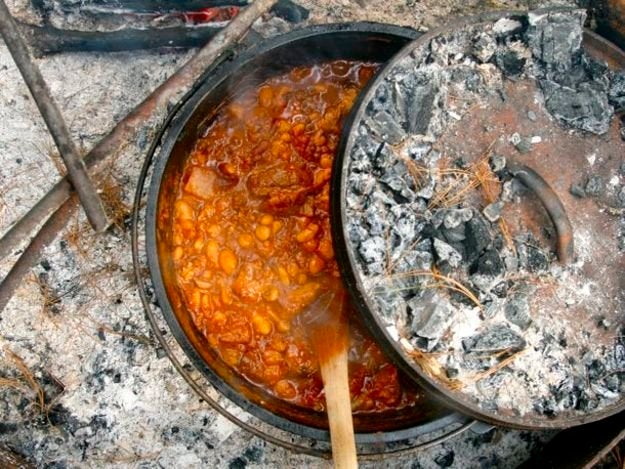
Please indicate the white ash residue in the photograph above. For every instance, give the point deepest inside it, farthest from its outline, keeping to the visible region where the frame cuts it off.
(477, 307)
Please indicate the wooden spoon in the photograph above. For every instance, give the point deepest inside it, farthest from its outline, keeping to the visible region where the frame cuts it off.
(327, 326)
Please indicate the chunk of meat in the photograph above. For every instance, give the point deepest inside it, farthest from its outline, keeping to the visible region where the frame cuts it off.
(200, 183)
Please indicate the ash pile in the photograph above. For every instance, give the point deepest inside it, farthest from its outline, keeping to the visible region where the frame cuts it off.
(463, 296)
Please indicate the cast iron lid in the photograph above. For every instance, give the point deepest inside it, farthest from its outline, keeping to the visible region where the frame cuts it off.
(477, 214)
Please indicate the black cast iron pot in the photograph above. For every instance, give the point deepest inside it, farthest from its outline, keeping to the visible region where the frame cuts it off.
(355, 41)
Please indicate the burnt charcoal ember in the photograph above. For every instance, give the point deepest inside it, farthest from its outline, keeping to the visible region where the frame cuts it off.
(361, 185)
(478, 238)
(585, 107)
(384, 126)
(426, 190)
(420, 93)
(360, 161)
(405, 227)
(413, 260)
(376, 220)
(455, 236)
(577, 190)
(373, 253)
(492, 212)
(547, 407)
(567, 393)
(511, 63)
(555, 38)
(616, 93)
(356, 231)
(454, 218)
(497, 338)
(595, 186)
(620, 197)
(497, 163)
(391, 305)
(524, 145)
(431, 315)
(397, 178)
(445, 253)
(489, 263)
(484, 47)
(517, 310)
(467, 78)
(289, 11)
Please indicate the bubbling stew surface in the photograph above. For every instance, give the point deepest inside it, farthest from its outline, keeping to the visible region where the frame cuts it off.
(251, 236)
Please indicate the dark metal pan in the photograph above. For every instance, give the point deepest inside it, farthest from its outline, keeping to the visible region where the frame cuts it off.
(356, 41)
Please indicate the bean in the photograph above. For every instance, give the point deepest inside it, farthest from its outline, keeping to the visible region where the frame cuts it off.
(198, 245)
(276, 226)
(263, 232)
(325, 249)
(266, 219)
(265, 96)
(183, 210)
(285, 389)
(203, 283)
(271, 294)
(283, 275)
(228, 261)
(310, 246)
(231, 356)
(261, 325)
(246, 240)
(307, 233)
(316, 264)
(212, 250)
(226, 296)
(326, 161)
(178, 253)
(271, 357)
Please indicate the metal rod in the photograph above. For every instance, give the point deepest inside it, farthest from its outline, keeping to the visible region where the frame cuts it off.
(76, 169)
(166, 94)
(127, 128)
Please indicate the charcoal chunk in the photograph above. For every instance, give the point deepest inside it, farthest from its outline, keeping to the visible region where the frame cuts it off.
(431, 315)
(620, 197)
(492, 212)
(373, 253)
(496, 339)
(455, 217)
(616, 94)
(289, 11)
(585, 107)
(384, 126)
(517, 311)
(555, 38)
(497, 163)
(595, 186)
(484, 47)
(478, 238)
(421, 104)
(489, 263)
(447, 253)
(577, 190)
(510, 62)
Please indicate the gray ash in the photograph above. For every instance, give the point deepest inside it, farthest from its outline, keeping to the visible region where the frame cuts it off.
(453, 289)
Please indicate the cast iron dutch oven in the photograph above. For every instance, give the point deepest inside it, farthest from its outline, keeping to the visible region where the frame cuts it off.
(355, 41)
